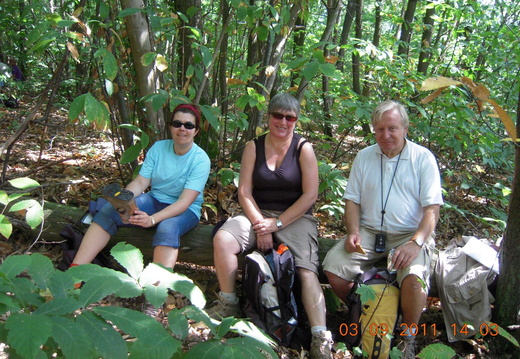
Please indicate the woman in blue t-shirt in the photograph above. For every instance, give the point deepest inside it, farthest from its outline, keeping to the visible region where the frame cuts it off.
(176, 172)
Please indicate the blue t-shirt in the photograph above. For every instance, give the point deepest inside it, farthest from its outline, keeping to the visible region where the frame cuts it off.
(170, 174)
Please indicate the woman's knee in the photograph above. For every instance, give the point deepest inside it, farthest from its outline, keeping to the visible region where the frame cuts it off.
(223, 241)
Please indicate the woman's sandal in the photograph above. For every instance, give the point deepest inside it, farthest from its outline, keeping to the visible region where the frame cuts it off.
(122, 200)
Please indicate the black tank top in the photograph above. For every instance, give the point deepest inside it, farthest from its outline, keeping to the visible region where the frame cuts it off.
(277, 190)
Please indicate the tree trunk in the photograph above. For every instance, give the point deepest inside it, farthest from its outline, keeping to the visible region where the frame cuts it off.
(147, 80)
(356, 76)
(406, 28)
(424, 56)
(345, 31)
(508, 300)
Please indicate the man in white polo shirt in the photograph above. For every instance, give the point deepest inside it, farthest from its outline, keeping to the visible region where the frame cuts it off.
(392, 200)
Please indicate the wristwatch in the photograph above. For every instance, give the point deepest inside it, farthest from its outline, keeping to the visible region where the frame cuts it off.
(418, 241)
(279, 223)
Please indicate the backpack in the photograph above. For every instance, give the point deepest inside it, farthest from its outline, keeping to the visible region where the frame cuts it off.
(73, 236)
(268, 298)
(369, 323)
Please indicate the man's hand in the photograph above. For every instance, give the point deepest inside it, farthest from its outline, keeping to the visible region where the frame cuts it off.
(405, 254)
(352, 243)
(264, 242)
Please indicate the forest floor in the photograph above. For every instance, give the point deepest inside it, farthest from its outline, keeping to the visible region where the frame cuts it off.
(72, 163)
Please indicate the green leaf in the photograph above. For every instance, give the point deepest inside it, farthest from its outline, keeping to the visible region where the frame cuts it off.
(129, 11)
(178, 323)
(129, 257)
(110, 65)
(41, 270)
(98, 288)
(60, 284)
(58, 306)
(437, 351)
(14, 265)
(329, 70)
(311, 70)
(24, 183)
(19, 206)
(366, 293)
(6, 228)
(77, 107)
(105, 339)
(7, 304)
(153, 340)
(131, 154)
(71, 338)
(95, 111)
(27, 332)
(145, 140)
(231, 348)
(148, 58)
(34, 215)
(4, 198)
(211, 115)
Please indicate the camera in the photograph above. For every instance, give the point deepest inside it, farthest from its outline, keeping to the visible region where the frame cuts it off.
(380, 245)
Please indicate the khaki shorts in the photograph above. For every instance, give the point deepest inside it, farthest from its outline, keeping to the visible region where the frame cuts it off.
(301, 236)
(348, 265)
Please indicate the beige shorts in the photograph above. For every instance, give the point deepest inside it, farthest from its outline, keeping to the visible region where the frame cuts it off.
(301, 236)
(348, 265)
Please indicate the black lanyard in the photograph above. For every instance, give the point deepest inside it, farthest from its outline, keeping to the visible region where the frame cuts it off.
(383, 206)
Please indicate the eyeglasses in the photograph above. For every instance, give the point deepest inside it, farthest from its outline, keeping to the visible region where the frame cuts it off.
(187, 125)
(281, 116)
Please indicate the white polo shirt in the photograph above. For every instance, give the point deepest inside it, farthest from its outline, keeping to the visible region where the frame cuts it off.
(417, 184)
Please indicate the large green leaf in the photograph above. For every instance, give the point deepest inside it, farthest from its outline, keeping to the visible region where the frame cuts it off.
(153, 341)
(71, 338)
(211, 115)
(95, 111)
(58, 306)
(14, 265)
(178, 323)
(129, 257)
(60, 283)
(41, 270)
(77, 106)
(106, 340)
(131, 154)
(24, 183)
(6, 228)
(437, 351)
(311, 70)
(27, 332)
(21, 205)
(34, 215)
(110, 65)
(231, 348)
(7, 304)
(98, 288)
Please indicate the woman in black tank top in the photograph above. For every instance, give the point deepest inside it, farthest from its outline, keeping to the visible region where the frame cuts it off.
(277, 189)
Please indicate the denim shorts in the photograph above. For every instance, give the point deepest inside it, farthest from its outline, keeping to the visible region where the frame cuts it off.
(168, 232)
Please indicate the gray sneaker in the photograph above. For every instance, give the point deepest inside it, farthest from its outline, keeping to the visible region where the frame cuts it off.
(407, 347)
(321, 345)
(222, 308)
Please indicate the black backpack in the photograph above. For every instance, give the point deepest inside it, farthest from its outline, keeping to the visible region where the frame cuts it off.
(369, 322)
(268, 298)
(73, 235)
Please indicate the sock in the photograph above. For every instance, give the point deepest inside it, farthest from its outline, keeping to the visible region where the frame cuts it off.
(317, 329)
(229, 297)
(409, 333)
(73, 265)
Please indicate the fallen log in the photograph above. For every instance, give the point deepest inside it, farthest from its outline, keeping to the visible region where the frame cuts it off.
(196, 245)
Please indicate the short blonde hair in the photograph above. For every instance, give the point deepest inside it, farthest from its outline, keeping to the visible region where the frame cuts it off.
(387, 106)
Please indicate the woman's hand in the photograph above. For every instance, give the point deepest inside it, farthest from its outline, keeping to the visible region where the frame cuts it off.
(264, 242)
(265, 226)
(140, 218)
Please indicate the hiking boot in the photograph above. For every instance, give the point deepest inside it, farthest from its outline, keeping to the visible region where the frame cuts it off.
(222, 308)
(321, 345)
(122, 200)
(407, 347)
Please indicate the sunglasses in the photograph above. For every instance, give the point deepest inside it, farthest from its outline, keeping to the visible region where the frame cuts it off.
(281, 116)
(179, 124)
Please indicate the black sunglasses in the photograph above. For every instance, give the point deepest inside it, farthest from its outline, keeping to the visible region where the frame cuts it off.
(187, 125)
(281, 116)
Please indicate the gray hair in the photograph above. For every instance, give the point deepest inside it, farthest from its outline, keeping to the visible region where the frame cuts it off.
(387, 106)
(285, 102)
